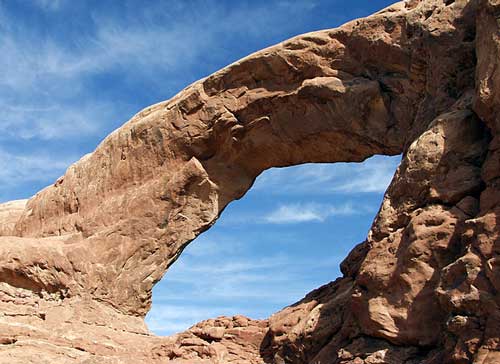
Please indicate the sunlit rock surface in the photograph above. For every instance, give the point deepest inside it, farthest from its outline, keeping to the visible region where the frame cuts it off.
(79, 260)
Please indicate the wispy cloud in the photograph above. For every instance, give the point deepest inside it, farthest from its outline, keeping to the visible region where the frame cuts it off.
(17, 168)
(53, 121)
(171, 318)
(52, 81)
(370, 176)
(298, 212)
(148, 41)
(204, 246)
(247, 281)
(227, 287)
(242, 277)
(310, 212)
(76, 81)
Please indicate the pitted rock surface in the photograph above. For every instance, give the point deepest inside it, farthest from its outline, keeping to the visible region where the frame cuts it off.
(78, 260)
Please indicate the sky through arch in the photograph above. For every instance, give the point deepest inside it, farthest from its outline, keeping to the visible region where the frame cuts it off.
(284, 238)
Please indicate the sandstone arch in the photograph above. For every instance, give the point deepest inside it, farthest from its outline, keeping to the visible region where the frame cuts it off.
(401, 80)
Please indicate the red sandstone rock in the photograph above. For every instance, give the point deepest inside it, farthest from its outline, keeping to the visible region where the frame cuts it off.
(9, 215)
(78, 263)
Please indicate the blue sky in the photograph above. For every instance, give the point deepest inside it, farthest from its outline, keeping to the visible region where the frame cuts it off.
(284, 238)
(73, 71)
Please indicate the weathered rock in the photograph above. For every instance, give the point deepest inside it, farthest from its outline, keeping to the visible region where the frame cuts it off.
(78, 263)
(10, 212)
(224, 340)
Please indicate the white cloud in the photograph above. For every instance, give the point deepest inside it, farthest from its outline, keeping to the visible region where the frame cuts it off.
(131, 41)
(17, 168)
(295, 213)
(242, 278)
(225, 287)
(310, 212)
(306, 5)
(170, 318)
(230, 267)
(46, 76)
(206, 247)
(54, 121)
(370, 176)
(373, 176)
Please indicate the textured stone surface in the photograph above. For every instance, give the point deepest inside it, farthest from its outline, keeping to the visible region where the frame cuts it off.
(9, 215)
(78, 262)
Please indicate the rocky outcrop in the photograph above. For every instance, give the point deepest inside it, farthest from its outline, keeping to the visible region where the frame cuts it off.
(10, 212)
(78, 263)
(410, 283)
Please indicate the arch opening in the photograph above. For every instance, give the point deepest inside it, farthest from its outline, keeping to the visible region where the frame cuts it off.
(284, 238)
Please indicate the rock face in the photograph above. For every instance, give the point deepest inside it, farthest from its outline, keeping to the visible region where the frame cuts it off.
(79, 261)
(9, 215)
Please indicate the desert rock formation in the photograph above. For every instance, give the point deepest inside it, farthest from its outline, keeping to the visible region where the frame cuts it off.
(78, 260)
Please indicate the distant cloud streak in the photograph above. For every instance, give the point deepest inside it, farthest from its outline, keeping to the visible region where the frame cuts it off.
(299, 213)
(371, 176)
(227, 286)
(139, 46)
(60, 84)
(170, 318)
(17, 168)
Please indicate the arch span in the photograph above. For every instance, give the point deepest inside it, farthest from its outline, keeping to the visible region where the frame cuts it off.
(285, 237)
(337, 95)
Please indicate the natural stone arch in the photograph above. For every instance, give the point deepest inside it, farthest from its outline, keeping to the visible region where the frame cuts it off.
(161, 179)
(400, 81)
(291, 228)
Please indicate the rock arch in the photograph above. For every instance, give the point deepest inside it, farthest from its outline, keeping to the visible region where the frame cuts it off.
(400, 81)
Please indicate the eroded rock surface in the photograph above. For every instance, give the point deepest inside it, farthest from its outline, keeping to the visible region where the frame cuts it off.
(79, 261)
(10, 212)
